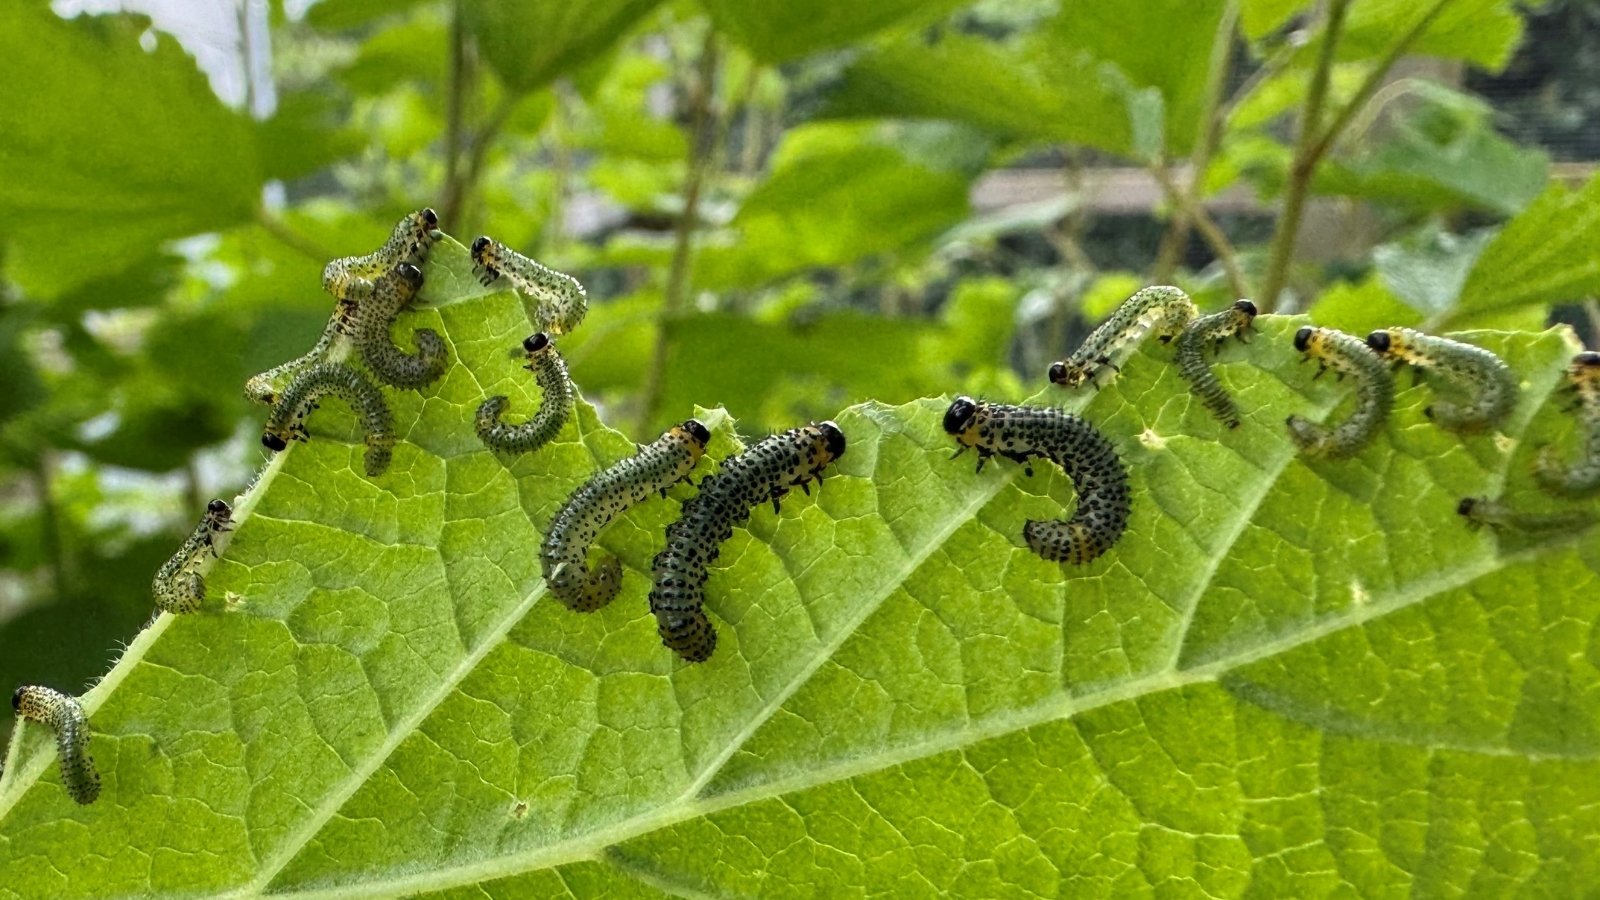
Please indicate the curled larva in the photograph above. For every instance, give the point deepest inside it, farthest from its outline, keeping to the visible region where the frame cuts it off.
(1582, 476)
(64, 714)
(287, 420)
(352, 276)
(1483, 380)
(1162, 309)
(178, 587)
(392, 292)
(656, 467)
(550, 371)
(562, 301)
(1021, 433)
(1498, 515)
(766, 470)
(264, 387)
(1213, 330)
(1347, 355)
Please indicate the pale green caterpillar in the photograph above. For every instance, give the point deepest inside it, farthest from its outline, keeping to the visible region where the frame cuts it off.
(1161, 309)
(550, 371)
(1347, 355)
(264, 387)
(351, 277)
(177, 587)
(64, 714)
(1582, 476)
(562, 302)
(657, 466)
(1498, 515)
(287, 421)
(1474, 373)
(392, 292)
(1234, 321)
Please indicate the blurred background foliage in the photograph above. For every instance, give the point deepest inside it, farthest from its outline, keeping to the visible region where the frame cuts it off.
(782, 206)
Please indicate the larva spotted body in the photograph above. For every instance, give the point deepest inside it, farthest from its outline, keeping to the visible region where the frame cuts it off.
(1346, 354)
(64, 714)
(564, 554)
(392, 292)
(287, 420)
(351, 277)
(766, 471)
(555, 407)
(562, 301)
(177, 587)
(1212, 330)
(1161, 309)
(1498, 515)
(265, 387)
(1482, 378)
(1583, 476)
(1021, 433)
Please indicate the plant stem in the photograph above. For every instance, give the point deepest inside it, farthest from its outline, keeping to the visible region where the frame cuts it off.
(1208, 228)
(468, 179)
(701, 151)
(279, 229)
(455, 103)
(50, 525)
(1305, 160)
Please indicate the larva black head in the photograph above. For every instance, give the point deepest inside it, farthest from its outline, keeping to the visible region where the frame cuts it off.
(1246, 307)
(273, 442)
(697, 430)
(1464, 508)
(1302, 338)
(218, 508)
(1378, 341)
(533, 343)
(1588, 359)
(834, 436)
(409, 274)
(16, 699)
(430, 219)
(1058, 375)
(960, 413)
(479, 246)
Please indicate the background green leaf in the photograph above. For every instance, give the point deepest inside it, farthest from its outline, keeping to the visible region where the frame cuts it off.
(530, 42)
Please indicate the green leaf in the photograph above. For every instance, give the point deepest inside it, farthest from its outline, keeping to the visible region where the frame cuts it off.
(530, 43)
(1427, 269)
(1550, 253)
(1481, 32)
(110, 149)
(778, 30)
(1290, 676)
(334, 15)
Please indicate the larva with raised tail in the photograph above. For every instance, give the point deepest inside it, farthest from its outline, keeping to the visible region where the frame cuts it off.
(287, 420)
(1345, 354)
(1021, 433)
(562, 301)
(1212, 330)
(1162, 309)
(657, 466)
(1581, 476)
(766, 471)
(177, 587)
(1484, 382)
(1501, 516)
(351, 277)
(555, 407)
(64, 714)
(392, 292)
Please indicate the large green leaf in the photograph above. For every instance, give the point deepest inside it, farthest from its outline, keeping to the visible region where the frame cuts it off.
(777, 30)
(1289, 677)
(107, 150)
(530, 43)
(1550, 253)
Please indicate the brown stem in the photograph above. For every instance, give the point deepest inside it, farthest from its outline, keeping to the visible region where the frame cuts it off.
(1304, 163)
(1208, 228)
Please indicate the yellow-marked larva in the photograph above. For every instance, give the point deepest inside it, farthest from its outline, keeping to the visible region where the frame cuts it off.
(562, 301)
(1485, 384)
(287, 420)
(657, 467)
(1021, 433)
(178, 588)
(1345, 354)
(550, 371)
(392, 292)
(1583, 475)
(1162, 309)
(1498, 515)
(64, 714)
(1212, 330)
(766, 470)
(351, 277)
